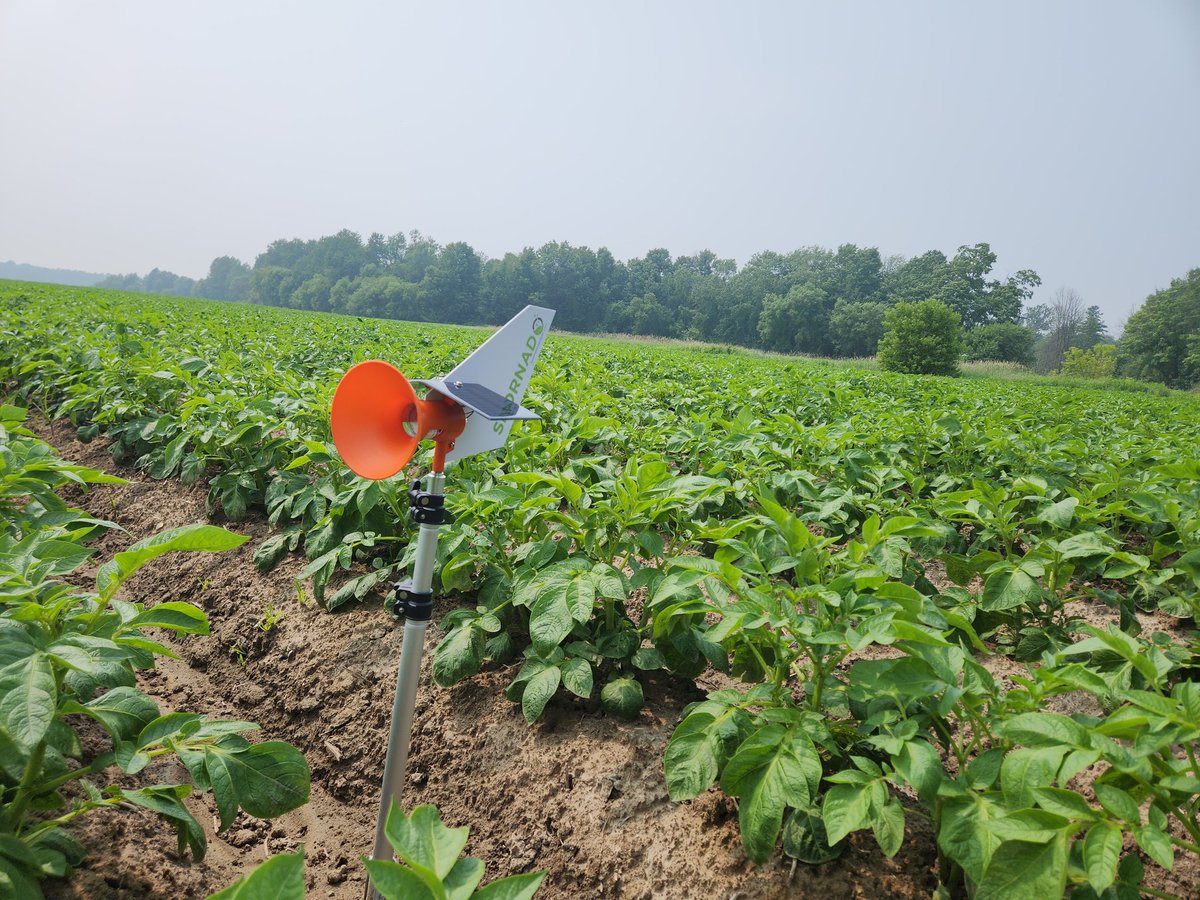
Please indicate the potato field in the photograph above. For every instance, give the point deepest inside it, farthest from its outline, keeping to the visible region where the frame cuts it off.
(719, 625)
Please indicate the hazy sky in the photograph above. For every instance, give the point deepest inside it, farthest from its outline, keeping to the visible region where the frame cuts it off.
(1065, 134)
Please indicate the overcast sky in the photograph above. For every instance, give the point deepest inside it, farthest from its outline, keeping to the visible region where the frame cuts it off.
(1065, 134)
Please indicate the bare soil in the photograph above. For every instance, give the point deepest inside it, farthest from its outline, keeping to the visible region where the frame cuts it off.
(580, 794)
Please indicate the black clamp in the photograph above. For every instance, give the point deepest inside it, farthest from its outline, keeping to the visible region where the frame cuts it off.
(426, 508)
(405, 603)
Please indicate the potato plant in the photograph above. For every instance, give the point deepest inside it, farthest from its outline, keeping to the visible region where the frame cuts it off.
(427, 867)
(67, 654)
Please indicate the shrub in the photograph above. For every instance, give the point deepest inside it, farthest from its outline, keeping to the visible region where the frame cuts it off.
(921, 339)
(1099, 362)
(1001, 342)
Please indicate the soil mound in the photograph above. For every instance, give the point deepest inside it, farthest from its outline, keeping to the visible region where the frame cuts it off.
(580, 794)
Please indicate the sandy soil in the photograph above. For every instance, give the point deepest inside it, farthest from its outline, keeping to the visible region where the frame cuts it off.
(580, 794)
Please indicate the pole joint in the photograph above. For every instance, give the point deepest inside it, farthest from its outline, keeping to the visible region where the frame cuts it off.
(426, 507)
(412, 605)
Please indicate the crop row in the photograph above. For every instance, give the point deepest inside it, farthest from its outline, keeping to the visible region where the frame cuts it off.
(852, 548)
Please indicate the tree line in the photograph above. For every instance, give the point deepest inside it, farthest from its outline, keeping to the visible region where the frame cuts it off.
(813, 300)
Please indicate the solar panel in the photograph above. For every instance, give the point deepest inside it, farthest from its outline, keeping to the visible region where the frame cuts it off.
(481, 399)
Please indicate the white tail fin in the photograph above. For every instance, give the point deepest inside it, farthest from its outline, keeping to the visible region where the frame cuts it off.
(502, 365)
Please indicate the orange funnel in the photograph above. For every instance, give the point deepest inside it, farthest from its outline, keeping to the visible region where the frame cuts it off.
(378, 421)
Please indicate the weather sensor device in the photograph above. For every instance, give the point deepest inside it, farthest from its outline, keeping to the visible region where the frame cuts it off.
(378, 422)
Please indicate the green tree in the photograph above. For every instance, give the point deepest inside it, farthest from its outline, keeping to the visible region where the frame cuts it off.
(1092, 331)
(921, 338)
(569, 279)
(386, 252)
(313, 294)
(508, 284)
(420, 252)
(649, 317)
(795, 323)
(451, 287)
(272, 285)
(979, 300)
(159, 281)
(855, 328)
(1037, 318)
(1003, 341)
(853, 274)
(920, 278)
(129, 282)
(228, 279)
(1161, 338)
(1098, 362)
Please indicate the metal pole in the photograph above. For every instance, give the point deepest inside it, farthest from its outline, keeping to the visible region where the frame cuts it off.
(408, 676)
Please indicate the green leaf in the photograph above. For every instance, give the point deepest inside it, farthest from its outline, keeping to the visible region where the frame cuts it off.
(1131, 870)
(538, 691)
(514, 887)
(129, 759)
(773, 769)
(1009, 590)
(17, 850)
(219, 777)
(166, 726)
(965, 835)
(1025, 769)
(17, 881)
(265, 779)
(1067, 804)
(200, 537)
(500, 648)
(1058, 515)
(182, 618)
(279, 878)
(28, 698)
(396, 882)
(1101, 852)
(123, 711)
(648, 659)
(984, 769)
(458, 655)
(466, 874)
(920, 765)
(609, 584)
(846, 808)
(422, 841)
(233, 503)
(577, 677)
(572, 581)
(1020, 870)
(1036, 825)
(888, 827)
(691, 758)
(1042, 729)
(805, 839)
(550, 621)
(1079, 546)
(1118, 803)
(623, 697)
(1156, 844)
(270, 552)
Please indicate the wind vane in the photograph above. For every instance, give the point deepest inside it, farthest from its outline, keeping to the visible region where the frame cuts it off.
(378, 422)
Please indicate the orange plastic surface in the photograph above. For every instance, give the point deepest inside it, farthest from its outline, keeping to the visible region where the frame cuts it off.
(377, 420)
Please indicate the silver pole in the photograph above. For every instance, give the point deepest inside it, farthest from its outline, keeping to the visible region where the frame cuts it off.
(408, 677)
